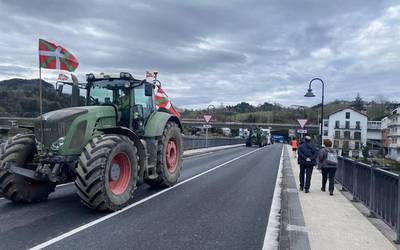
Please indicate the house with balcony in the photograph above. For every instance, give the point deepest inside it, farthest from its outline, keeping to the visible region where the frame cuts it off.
(393, 134)
(347, 129)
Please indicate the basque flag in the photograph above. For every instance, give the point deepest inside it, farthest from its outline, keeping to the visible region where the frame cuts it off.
(52, 56)
(163, 102)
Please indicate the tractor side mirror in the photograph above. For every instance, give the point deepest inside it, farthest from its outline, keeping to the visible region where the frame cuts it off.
(60, 89)
(148, 90)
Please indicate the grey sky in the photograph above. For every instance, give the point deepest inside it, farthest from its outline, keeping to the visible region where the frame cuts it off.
(216, 52)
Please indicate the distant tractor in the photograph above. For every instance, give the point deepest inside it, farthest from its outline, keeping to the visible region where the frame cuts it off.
(105, 147)
(256, 137)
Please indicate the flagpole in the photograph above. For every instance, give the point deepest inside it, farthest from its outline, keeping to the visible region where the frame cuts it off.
(40, 102)
(40, 91)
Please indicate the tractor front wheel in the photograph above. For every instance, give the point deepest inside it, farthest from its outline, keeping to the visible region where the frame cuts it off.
(20, 150)
(107, 172)
(169, 157)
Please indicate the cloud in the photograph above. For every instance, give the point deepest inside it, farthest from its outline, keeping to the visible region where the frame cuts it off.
(214, 52)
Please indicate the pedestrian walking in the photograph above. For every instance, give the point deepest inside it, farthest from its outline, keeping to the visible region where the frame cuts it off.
(307, 159)
(328, 163)
(295, 144)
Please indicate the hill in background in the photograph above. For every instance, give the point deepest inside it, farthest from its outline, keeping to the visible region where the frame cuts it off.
(20, 98)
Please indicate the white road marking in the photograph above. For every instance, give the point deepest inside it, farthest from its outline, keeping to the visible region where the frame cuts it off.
(271, 239)
(97, 221)
(65, 184)
(296, 228)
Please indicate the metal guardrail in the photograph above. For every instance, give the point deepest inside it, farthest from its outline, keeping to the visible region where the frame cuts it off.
(376, 188)
(191, 142)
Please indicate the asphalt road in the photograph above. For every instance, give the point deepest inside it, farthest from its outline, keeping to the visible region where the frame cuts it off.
(221, 202)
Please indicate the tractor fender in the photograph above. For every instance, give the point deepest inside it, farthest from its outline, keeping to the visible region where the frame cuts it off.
(136, 140)
(156, 123)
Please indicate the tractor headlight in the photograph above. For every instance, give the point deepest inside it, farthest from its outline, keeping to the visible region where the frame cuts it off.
(58, 144)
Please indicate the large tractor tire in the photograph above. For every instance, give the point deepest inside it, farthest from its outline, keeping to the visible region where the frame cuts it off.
(20, 150)
(107, 173)
(169, 157)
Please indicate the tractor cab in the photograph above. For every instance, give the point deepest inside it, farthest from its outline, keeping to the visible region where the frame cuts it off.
(132, 99)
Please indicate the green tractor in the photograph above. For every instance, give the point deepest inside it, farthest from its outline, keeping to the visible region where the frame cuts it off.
(256, 137)
(105, 147)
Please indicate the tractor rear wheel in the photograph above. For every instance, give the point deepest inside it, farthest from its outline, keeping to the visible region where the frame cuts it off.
(20, 150)
(107, 172)
(169, 157)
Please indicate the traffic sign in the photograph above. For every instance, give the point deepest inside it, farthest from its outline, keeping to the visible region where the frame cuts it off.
(302, 131)
(302, 122)
(207, 118)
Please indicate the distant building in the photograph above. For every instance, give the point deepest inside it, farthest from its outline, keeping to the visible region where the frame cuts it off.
(347, 128)
(385, 134)
(393, 134)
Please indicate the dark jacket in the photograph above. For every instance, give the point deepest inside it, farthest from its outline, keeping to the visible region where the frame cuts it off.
(323, 153)
(307, 151)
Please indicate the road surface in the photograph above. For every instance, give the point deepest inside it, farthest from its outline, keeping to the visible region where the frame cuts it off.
(222, 201)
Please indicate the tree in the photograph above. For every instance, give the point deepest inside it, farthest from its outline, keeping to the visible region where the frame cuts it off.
(358, 103)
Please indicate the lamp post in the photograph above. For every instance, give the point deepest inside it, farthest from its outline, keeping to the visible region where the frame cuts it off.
(311, 94)
(209, 113)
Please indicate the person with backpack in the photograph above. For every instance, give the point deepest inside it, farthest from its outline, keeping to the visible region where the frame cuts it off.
(307, 159)
(328, 163)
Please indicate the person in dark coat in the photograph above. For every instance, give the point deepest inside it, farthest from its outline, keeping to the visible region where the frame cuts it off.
(307, 159)
(328, 164)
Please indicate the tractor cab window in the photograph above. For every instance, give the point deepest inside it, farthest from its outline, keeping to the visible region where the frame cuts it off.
(99, 96)
(142, 99)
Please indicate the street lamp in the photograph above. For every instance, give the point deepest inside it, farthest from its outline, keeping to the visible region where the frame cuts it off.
(311, 94)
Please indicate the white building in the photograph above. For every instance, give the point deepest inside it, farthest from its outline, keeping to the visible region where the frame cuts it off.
(347, 129)
(393, 134)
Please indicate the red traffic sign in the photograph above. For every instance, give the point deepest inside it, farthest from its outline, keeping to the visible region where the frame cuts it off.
(302, 122)
(207, 118)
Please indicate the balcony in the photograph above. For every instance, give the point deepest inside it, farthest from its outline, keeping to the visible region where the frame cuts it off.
(374, 125)
(342, 137)
(393, 124)
(395, 133)
(348, 128)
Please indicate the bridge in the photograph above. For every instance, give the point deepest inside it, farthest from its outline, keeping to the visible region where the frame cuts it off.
(6, 123)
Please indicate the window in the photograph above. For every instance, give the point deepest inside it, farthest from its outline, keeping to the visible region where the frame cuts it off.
(345, 144)
(337, 124)
(337, 134)
(326, 123)
(336, 143)
(357, 135)
(347, 115)
(357, 145)
(346, 134)
(347, 124)
(358, 124)
(142, 99)
(325, 132)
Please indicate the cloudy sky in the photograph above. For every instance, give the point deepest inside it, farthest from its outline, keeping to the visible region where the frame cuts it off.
(213, 52)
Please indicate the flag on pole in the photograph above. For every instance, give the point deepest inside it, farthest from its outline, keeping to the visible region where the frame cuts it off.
(163, 102)
(52, 56)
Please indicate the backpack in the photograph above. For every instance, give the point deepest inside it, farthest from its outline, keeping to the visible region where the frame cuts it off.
(331, 158)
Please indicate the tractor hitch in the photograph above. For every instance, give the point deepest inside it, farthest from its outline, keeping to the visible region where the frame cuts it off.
(13, 168)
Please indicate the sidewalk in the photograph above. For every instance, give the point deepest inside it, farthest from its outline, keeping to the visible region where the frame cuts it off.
(332, 222)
